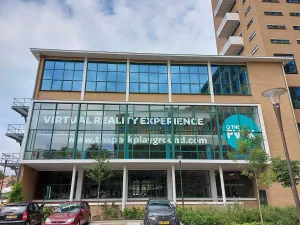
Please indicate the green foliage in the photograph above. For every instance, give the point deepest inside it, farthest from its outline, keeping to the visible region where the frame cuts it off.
(280, 169)
(1, 174)
(47, 210)
(111, 212)
(133, 213)
(237, 216)
(11, 182)
(16, 194)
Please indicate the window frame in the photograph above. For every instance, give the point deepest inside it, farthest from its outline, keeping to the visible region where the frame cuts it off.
(255, 49)
(250, 23)
(252, 36)
(295, 14)
(280, 41)
(273, 13)
(276, 27)
(247, 10)
(287, 55)
(296, 26)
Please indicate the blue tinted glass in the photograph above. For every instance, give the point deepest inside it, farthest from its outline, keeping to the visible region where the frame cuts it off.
(111, 67)
(121, 76)
(111, 86)
(48, 74)
(163, 88)
(143, 77)
(214, 69)
(144, 87)
(101, 86)
(153, 78)
(217, 88)
(195, 88)
(56, 85)
(184, 78)
(153, 68)
(77, 85)
(184, 69)
(134, 68)
(203, 69)
(121, 87)
(203, 78)
(59, 65)
(58, 74)
(78, 75)
(49, 65)
(122, 67)
(46, 85)
(91, 76)
(68, 75)
(163, 78)
(102, 67)
(163, 69)
(79, 66)
(134, 77)
(134, 87)
(185, 88)
(144, 68)
(153, 88)
(67, 85)
(101, 76)
(176, 88)
(69, 65)
(92, 66)
(175, 78)
(194, 78)
(174, 69)
(193, 69)
(90, 86)
(111, 76)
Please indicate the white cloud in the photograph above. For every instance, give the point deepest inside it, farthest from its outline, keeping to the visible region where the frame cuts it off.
(172, 26)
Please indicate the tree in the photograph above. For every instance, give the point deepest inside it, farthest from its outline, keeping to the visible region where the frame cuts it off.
(99, 171)
(250, 148)
(1, 174)
(12, 182)
(282, 176)
(16, 194)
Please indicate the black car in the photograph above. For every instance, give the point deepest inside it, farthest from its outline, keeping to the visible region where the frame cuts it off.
(21, 213)
(160, 211)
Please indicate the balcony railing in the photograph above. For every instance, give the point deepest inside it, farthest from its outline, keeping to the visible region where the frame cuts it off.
(21, 106)
(16, 132)
(232, 46)
(228, 25)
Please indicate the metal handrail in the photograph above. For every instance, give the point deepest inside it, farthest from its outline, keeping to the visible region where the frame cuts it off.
(21, 102)
(16, 128)
(12, 158)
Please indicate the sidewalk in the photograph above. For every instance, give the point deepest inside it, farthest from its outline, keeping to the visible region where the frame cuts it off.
(118, 222)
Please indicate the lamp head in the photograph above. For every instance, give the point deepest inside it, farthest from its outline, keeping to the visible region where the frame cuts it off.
(274, 94)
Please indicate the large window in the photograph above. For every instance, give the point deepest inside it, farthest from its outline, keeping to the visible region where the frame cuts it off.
(106, 77)
(189, 79)
(291, 67)
(236, 185)
(196, 184)
(62, 75)
(147, 184)
(230, 80)
(295, 96)
(59, 183)
(148, 78)
(109, 188)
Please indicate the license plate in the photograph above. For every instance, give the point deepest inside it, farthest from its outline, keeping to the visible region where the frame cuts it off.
(164, 222)
(11, 217)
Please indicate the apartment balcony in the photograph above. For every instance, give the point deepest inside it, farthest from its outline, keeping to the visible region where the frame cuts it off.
(228, 25)
(223, 7)
(232, 46)
(16, 132)
(21, 106)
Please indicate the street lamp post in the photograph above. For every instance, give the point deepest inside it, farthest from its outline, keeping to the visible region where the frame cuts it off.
(274, 95)
(179, 158)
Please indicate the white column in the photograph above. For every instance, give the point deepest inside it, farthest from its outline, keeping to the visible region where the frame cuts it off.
(222, 185)
(169, 184)
(174, 184)
(127, 80)
(169, 81)
(84, 78)
(212, 94)
(73, 182)
(213, 185)
(125, 187)
(79, 184)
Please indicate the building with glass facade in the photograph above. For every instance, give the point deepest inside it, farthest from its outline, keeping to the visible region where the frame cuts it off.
(145, 110)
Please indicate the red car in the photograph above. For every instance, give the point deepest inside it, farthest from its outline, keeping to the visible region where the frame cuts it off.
(70, 213)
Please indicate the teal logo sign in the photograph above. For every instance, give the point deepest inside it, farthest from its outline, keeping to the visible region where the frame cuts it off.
(232, 126)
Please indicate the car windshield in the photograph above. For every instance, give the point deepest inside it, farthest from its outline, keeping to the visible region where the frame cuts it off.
(64, 208)
(13, 209)
(159, 204)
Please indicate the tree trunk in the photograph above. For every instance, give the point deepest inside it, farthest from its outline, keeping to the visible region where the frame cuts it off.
(98, 200)
(259, 206)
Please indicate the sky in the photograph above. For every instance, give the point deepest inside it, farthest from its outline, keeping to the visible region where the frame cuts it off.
(152, 26)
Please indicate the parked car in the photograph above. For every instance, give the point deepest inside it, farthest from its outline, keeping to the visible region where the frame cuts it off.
(70, 213)
(160, 211)
(21, 213)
